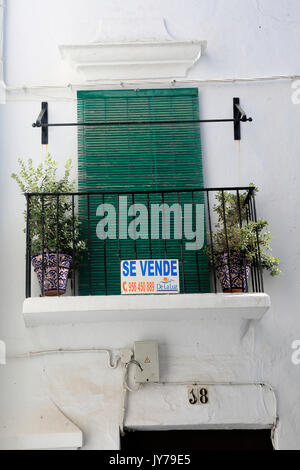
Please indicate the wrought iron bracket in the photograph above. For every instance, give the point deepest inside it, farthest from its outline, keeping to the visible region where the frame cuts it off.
(42, 121)
(239, 116)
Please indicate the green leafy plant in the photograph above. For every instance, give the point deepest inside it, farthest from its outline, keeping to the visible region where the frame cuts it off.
(51, 212)
(242, 234)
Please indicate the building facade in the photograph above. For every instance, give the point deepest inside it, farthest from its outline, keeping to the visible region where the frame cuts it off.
(68, 381)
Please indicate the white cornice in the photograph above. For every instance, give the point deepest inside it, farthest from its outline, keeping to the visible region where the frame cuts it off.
(133, 60)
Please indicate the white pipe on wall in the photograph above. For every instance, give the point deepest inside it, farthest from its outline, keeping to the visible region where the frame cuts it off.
(2, 84)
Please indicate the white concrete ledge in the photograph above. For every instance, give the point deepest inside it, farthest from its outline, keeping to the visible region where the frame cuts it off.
(230, 406)
(39, 428)
(39, 311)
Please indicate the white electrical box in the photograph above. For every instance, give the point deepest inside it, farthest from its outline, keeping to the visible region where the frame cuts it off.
(146, 354)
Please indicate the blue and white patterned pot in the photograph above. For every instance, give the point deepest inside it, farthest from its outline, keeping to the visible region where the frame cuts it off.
(50, 271)
(237, 272)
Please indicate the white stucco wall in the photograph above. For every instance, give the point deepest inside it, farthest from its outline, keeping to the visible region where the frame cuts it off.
(246, 39)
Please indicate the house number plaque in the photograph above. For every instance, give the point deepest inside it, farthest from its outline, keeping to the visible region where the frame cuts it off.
(197, 395)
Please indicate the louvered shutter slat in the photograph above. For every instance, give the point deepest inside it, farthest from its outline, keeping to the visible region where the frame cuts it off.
(153, 157)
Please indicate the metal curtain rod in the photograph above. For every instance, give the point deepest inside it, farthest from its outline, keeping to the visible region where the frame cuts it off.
(250, 190)
(239, 116)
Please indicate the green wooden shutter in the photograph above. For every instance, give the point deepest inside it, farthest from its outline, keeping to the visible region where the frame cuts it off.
(154, 157)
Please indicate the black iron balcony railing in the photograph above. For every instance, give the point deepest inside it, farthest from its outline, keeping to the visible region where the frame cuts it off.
(202, 228)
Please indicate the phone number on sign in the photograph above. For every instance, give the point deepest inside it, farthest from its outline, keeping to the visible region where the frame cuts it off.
(138, 286)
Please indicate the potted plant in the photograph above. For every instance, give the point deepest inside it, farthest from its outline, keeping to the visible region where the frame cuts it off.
(233, 252)
(51, 216)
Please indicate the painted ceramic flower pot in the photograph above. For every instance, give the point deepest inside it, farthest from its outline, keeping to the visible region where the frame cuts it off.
(233, 275)
(51, 286)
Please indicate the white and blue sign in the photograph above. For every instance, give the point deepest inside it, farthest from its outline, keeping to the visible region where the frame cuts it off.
(150, 276)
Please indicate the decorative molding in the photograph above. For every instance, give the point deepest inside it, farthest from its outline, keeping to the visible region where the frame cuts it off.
(134, 48)
(133, 60)
(132, 28)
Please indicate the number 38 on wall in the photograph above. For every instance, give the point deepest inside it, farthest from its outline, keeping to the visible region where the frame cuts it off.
(197, 395)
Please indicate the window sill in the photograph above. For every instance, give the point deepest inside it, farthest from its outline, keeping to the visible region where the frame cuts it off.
(38, 311)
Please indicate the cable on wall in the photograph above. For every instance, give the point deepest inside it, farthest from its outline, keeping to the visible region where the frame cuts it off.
(44, 92)
(110, 363)
(81, 86)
